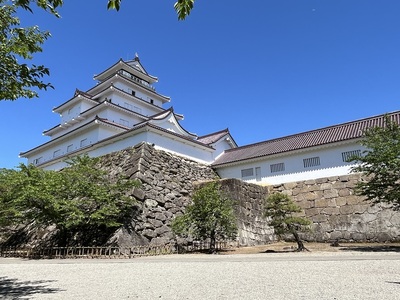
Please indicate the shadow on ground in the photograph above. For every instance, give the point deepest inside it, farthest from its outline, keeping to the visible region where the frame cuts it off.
(11, 288)
(373, 248)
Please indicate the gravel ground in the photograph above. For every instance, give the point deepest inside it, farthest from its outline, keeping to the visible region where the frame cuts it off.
(323, 275)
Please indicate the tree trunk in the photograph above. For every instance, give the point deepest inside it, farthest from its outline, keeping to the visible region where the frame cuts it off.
(212, 242)
(300, 245)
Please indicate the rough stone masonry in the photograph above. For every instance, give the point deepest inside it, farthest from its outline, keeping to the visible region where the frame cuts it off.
(168, 181)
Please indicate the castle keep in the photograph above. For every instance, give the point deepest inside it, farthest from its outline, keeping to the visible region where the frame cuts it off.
(122, 118)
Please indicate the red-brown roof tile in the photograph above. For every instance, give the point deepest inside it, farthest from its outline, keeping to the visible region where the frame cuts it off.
(323, 136)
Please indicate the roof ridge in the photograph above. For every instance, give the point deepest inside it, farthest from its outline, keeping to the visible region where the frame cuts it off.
(316, 130)
(214, 133)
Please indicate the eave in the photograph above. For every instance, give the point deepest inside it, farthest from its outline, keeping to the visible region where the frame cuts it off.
(77, 98)
(280, 154)
(124, 66)
(95, 121)
(108, 82)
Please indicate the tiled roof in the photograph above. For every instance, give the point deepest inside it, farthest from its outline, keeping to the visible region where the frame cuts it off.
(323, 136)
(212, 137)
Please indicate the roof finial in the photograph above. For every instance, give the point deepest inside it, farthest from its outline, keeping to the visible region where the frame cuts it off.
(136, 57)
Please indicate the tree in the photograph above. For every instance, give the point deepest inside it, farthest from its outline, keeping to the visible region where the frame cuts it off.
(182, 7)
(380, 164)
(210, 216)
(18, 79)
(282, 213)
(78, 198)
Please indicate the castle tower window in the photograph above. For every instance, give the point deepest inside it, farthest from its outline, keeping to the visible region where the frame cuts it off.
(56, 153)
(124, 122)
(38, 160)
(70, 148)
(83, 143)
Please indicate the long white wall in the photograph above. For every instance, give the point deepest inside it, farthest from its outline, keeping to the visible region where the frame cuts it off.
(162, 142)
(261, 172)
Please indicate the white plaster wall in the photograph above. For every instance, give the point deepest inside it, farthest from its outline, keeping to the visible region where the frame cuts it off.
(74, 111)
(91, 136)
(116, 116)
(108, 113)
(139, 93)
(330, 159)
(71, 128)
(220, 146)
(70, 113)
(160, 142)
(197, 153)
(144, 109)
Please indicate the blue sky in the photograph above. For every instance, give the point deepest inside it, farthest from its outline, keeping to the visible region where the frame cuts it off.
(262, 68)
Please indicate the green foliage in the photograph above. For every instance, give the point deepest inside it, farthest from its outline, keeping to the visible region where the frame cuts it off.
(381, 164)
(281, 211)
(210, 216)
(47, 5)
(182, 7)
(79, 196)
(18, 44)
(9, 208)
(114, 4)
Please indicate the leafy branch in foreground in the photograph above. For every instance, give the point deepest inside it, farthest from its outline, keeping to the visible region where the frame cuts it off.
(182, 7)
(18, 43)
(18, 79)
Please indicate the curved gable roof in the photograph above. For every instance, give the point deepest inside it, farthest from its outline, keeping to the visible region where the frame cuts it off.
(169, 116)
(215, 137)
(120, 64)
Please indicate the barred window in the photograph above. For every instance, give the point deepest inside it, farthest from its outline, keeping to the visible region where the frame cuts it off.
(279, 167)
(128, 105)
(70, 147)
(57, 153)
(124, 122)
(311, 162)
(247, 172)
(84, 143)
(38, 160)
(349, 154)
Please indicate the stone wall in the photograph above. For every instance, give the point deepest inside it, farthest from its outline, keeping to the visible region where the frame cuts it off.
(253, 228)
(166, 184)
(338, 214)
(168, 181)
